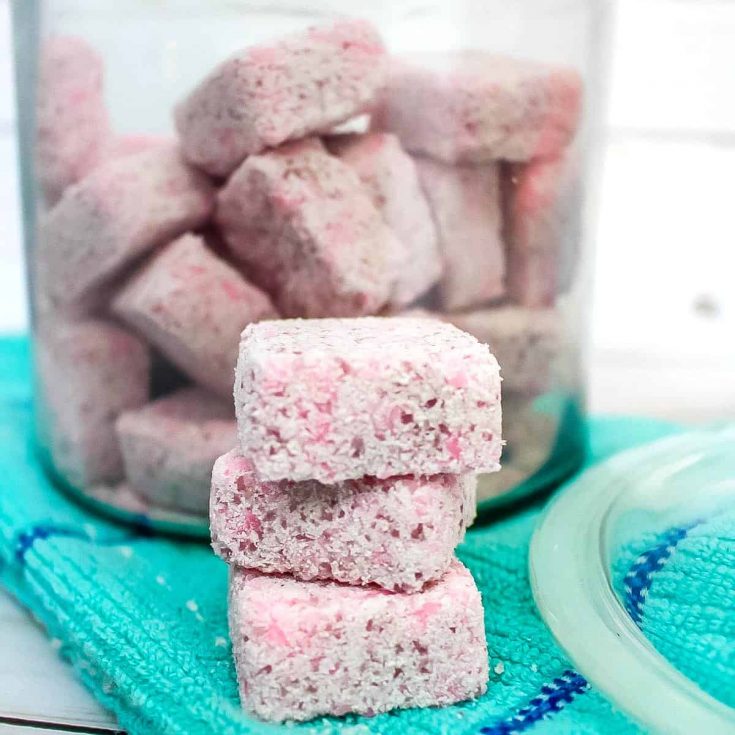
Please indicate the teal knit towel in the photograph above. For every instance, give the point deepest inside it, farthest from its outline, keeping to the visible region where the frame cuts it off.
(679, 587)
(143, 620)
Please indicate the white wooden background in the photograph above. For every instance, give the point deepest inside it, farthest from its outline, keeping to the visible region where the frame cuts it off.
(664, 311)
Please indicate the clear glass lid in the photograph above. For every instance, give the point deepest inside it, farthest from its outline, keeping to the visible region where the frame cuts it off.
(672, 483)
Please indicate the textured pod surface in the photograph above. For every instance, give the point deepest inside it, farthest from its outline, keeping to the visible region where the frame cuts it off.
(304, 649)
(193, 306)
(483, 107)
(526, 342)
(170, 445)
(306, 229)
(466, 206)
(542, 228)
(122, 210)
(391, 178)
(266, 95)
(399, 533)
(89, 372)
(72, 124)
(338, 399)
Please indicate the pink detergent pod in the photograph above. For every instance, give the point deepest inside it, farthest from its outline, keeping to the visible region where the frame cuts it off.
(192, 306)
(399, 533)
(466, 205)
(89, 372)
(304, 649)
(542, 205)
(73, 128)
(390, 176)
(474, 107)
(169, 447)
(526, 343)
(122, 210)
(338, 399)
(305, 228)
(530, 430)
(266, 95)
(128, 145)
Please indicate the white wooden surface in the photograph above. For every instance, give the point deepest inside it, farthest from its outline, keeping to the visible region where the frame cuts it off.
(664, 312)
(35, 684)
(7, 728)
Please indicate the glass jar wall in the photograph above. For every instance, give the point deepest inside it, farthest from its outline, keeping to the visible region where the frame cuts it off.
(440, 152)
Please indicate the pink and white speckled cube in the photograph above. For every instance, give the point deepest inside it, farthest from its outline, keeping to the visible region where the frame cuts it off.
(466, 205)
(72, 124)
(530, 428)
(132, 143)
(266, 95)
(542, 228)
(304, 649)
(193, 306)
(169, 447)
(526, 342)
(87, 374)
(123, 209)
(390, 176)
(121, 496)
(482, 107)
(338, 399)
(399, 533)
(305, 228)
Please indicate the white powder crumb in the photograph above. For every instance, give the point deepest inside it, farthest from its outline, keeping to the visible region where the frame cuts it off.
(499, 668)
(534, 668)
(219, 641)
(87, 666)
(192, 606)
(126, 551)
(160, 579)
(137, 699)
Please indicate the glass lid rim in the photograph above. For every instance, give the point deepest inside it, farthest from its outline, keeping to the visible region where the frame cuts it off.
(572, 589)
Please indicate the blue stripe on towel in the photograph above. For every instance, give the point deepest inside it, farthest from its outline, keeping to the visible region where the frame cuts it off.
(553, 697)
(637, 581)
(562, 691)
(25, 540)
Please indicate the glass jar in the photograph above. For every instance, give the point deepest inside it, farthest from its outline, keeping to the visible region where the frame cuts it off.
(449, 143)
